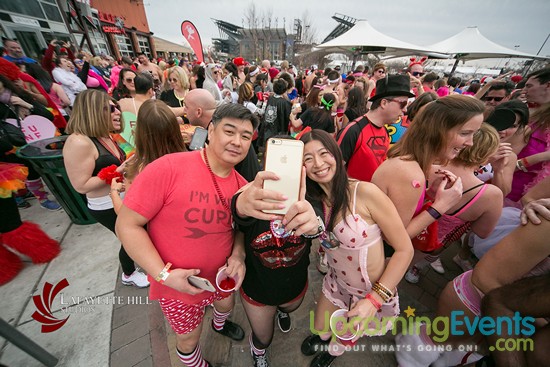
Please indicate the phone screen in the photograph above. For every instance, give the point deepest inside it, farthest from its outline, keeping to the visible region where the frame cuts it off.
(199, 139)
(284, 157)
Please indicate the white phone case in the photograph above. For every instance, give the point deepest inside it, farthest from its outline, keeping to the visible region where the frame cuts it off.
(201, 283)
(284, 157)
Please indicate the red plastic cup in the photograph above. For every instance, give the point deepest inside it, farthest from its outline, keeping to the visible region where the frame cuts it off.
(342, 328)
(224, 282)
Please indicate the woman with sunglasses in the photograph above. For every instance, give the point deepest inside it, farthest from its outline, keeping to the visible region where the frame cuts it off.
(211, 74)
(356, 214)
(179, 87)
(90, 154)
(378, 73)
(125, 87)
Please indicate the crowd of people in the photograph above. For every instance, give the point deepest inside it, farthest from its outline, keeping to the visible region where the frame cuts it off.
(397, 166)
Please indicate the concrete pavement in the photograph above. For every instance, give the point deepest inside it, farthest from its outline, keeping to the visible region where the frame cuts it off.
(113, 325)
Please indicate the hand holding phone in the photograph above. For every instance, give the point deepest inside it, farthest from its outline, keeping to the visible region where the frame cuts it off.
(284, 157)
(199, 139)
(179, 280)
(201, 283)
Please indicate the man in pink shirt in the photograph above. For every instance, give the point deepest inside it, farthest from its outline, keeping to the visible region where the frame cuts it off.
(184, 198)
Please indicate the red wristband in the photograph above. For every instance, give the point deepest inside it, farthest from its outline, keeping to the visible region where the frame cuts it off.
(525, 163)
(374, 302)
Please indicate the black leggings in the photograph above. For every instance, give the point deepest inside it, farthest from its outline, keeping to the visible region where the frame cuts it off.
(107, 218)
(9, 215)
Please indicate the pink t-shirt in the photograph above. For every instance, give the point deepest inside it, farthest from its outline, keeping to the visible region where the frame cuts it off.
(188, 224)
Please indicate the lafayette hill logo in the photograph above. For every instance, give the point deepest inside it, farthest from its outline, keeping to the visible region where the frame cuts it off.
(43, 303)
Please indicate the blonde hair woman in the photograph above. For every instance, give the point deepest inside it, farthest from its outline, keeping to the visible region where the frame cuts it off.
(179, 87)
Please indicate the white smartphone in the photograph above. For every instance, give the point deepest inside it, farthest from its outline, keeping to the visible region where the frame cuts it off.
(201, 283)
(199, 139)
(284, 157)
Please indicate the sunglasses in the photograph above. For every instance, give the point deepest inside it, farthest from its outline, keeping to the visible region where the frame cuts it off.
(216, 72)
(402, 104)
(417, 73)
(381, 72)
(496, 99)
(129, 80)
(114, 107)
(172, 80)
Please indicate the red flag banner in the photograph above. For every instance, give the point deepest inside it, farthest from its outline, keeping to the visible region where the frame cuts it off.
(191, 35)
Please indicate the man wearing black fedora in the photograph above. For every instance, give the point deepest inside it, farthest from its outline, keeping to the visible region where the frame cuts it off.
(365, 141)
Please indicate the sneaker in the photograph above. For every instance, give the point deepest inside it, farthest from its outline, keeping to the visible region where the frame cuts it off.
(21, 203)
(413, 275)
(137, 279)
(322, 265)
(50, 205)
(438, 266)
(465, 265)
(283, 320)
(322, 360)
(260, 361)
(231, 330)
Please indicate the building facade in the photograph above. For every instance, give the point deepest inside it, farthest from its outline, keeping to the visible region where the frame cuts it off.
(118, 28)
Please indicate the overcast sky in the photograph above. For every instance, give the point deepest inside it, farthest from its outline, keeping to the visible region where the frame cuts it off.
(507, 22)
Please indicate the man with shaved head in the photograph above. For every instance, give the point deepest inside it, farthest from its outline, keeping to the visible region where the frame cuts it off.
(199, 107)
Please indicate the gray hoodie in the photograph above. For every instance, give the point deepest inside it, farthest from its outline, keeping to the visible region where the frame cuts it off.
(210, 82)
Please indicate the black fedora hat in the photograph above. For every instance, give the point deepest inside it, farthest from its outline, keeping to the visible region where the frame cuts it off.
(393, 85)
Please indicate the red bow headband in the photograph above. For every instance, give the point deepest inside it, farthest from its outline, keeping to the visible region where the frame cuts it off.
(414, 61)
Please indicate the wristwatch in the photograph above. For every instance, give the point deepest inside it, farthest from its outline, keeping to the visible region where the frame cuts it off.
(320, 229)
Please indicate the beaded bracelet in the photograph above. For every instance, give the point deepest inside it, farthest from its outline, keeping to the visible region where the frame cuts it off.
(381, 292)
(374, 302)
(386, 289)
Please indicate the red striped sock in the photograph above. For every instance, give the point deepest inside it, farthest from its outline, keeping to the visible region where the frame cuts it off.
(193, 359)
(256, 351)
(219, 318)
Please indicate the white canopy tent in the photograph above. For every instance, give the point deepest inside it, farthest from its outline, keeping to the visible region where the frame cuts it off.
(470, 44)
(362, 37)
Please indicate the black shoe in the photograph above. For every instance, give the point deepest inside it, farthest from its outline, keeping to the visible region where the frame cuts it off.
(283, 320)
(313, 344)
(322, 360)
(231, 330)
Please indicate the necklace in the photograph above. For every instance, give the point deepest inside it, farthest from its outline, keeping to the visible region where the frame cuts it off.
(216, 186)
(181, 99)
